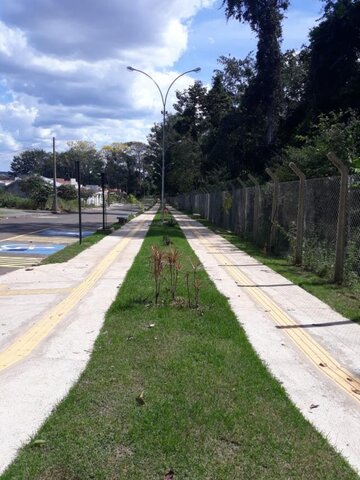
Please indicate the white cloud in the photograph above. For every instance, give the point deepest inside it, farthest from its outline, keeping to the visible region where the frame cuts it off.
(64, 65)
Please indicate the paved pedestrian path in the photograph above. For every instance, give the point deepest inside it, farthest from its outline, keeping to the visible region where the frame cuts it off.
(50, 316)
(313, 351)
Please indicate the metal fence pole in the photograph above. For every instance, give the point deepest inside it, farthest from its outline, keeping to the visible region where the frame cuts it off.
(341, 222)
(274, 208)
(207, 206)
(300, 214)
(243, 207)
(256, 208)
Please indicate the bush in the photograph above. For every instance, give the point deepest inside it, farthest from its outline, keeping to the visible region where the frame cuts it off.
(85, 193)
(37, 189)
(337, 132)
(7, 200)
(67, 192)
(132, 199)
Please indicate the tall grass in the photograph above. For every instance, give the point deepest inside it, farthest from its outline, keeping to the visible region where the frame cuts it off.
(8, 200)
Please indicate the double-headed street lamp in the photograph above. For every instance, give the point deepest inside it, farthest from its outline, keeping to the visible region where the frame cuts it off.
(163, 100)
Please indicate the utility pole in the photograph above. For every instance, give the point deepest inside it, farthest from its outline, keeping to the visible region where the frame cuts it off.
(54, 205)
(103, 199)
(77, 167)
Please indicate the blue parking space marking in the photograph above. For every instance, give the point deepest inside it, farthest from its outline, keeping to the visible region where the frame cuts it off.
(52, 232)
(29, 248)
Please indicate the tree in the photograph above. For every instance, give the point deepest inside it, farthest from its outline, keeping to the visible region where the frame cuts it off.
(37, 189)
(334, 70)
(137, 151)
(67, 192)
(29, 162)
(236, 75)
(116, 165)
(294, 111)
(86, 193)
(264, 92)
(91, 162)
(335, 132)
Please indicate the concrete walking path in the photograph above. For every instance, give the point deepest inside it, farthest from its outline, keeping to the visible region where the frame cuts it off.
(50, 317)
(313, 351)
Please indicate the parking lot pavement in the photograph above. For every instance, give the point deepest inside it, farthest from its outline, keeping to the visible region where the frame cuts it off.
(27, 237)
(30, 250)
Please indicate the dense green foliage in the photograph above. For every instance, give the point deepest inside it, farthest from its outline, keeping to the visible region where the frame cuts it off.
(67, 192)
(31, 162)
(8, 200)
(36, 189)
(124, 165)
(269, 108)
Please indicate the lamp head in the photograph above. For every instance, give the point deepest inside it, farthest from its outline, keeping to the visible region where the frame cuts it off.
(130, 68)
(197, 69)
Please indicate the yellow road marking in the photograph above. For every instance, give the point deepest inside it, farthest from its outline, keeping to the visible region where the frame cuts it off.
(18, 262)
(40, 239)
(305, 342)
(22, 235)
(26, 343)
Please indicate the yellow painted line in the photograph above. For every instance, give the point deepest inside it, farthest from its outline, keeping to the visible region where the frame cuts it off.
(7, 292)
(305, 342)
(40, 239)
(22, 235)
(19, 262)
(27, 342)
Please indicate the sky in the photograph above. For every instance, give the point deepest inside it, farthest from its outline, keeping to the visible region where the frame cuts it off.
(63, 64)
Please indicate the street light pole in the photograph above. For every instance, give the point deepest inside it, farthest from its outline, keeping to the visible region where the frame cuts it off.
(163, 100)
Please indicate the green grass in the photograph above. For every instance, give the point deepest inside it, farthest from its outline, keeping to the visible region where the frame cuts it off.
(212, 411)
(343, 299)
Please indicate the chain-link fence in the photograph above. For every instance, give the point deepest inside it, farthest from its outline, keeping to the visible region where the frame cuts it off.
(269, 216)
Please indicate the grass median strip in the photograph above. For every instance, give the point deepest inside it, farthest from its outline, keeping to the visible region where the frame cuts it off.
(173, 387)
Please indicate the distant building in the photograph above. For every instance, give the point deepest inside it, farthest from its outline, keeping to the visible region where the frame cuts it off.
(61, 181)
(6, 179)
(13, 187)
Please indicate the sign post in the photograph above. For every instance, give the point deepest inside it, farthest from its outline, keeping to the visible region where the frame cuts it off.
(77, 163)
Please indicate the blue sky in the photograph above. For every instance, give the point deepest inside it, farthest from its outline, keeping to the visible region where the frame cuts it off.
(63, 70)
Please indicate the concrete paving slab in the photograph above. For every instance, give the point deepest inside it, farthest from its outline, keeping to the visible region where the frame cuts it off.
(311, 350)
(38, 379)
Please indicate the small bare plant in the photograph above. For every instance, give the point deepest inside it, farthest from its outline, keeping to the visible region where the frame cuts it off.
(157, 267)
(197, 285)
(188, 288)
(195, 263)
(174, 268)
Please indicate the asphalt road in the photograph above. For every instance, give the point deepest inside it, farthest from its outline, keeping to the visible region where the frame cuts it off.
(28, 236)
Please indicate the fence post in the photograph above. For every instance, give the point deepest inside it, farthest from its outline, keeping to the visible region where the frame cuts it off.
(300, 214)
(341, 222)
(256, 207)
(274, 208)
(244, 207)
